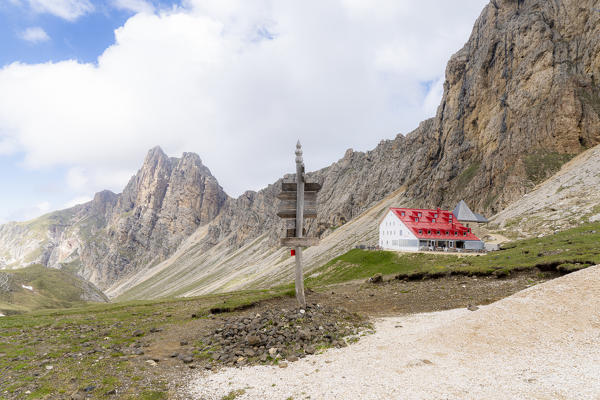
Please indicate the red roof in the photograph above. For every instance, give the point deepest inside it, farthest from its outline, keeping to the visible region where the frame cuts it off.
(433, 224)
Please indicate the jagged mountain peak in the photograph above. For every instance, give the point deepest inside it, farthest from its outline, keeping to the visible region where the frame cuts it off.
(519, 99)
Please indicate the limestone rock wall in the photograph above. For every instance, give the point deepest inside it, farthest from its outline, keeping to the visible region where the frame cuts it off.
(520, 98)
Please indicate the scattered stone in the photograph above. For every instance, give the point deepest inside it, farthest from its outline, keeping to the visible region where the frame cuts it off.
(155, 330)
(138, 333)
(279, 334)
(253, 340)
(77, 395)
(111, 392)
(49, 367)
(472, 308)
(283, 364)
(305, 334)
(186, 359)
(88, 389)
(377, 278)
(151, 363)
(183, 343)
(138, 352)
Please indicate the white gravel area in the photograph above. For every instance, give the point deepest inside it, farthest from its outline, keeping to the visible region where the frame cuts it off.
(541, 343)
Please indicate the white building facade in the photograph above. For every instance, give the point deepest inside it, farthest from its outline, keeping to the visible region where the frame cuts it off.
(408, 229)
(394, 235)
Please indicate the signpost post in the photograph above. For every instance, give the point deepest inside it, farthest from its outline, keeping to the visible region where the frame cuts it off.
(298, 201)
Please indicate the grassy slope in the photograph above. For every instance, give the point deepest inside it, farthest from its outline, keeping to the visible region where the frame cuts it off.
(59, 332)
(63, 339)
(565, 251)
(52, 289)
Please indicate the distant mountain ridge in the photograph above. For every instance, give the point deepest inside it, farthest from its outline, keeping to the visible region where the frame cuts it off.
(520, 99)
(112, 235)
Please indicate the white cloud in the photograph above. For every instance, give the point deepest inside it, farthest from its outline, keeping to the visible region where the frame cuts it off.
(43, 206)
(8, 145)
(432, 99)
(32, 212)
(76, 201)
(76, 179)
(34, 35)
(237, 82)
(138, 6)
(66, 9)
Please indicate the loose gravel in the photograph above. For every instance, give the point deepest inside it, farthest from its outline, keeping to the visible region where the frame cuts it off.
(541, 343)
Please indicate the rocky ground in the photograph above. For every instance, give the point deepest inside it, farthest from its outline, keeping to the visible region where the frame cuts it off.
(541, 343)
(148, 351)
(277, 335)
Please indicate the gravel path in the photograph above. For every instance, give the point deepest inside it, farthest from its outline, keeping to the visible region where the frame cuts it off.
(541, 343)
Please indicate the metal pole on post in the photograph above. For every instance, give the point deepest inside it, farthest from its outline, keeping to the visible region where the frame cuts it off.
(299, 223)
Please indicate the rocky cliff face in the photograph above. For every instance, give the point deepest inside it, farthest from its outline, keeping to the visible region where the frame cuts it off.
(520, 99)
(114, 235)
(523, 91)
(161, 205)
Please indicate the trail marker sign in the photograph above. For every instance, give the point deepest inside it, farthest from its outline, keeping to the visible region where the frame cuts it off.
(298, 200)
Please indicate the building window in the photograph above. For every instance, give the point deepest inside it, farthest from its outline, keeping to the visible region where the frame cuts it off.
(435, 215)
(437, 232)
(420, 232)
(465, 234)
(416, 219)
(429, 232)
(418, 214)
(455, 233)
(432, 219)
(403, 213)
(447, 233)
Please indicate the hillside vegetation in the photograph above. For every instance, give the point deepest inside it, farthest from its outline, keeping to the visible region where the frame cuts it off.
(94, 350)
(99, 349)
(37, 287)
(564, 252)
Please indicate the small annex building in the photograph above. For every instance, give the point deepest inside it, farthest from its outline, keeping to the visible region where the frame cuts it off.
(412, 229)
(464, 215)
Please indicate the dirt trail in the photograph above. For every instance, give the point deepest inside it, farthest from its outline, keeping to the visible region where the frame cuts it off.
(541, 343)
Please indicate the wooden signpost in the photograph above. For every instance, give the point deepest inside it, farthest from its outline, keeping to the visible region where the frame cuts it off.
(298, 201)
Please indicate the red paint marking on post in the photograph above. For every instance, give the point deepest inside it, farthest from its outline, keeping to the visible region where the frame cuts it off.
(292, 252)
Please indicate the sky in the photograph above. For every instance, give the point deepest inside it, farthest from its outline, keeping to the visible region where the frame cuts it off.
(88, 87)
